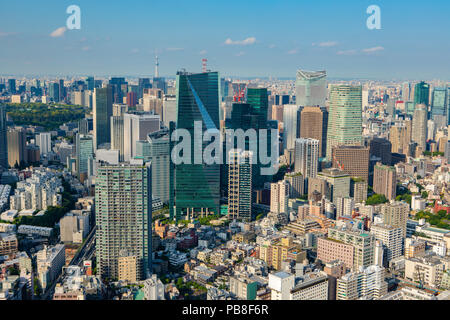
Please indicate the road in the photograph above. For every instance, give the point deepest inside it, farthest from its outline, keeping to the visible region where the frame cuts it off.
(85, 253)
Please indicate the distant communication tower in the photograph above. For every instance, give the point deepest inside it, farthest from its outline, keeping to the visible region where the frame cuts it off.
(204, 65)
(157, 67)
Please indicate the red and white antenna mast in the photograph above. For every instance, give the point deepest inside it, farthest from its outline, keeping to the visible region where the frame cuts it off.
(204, 65)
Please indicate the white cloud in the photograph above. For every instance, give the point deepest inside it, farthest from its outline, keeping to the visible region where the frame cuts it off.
(372, 50)
(240, 54)
(293, 51)
(326, 44)
(245, 42)
(135, 50)
(86, 48)
(272, 46)
(58, 32)
(203, 52)
(346, 52)
(174, 49)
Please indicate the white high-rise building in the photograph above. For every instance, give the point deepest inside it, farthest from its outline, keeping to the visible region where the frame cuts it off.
(136, 127)
(392, 240)
(366, 283)
(279, 195)
(290, 125)
(419, 126)
(44, 141)
(344, 206)
(307, 157)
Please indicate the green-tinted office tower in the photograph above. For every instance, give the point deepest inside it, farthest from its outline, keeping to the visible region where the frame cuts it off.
(102, 111)
(123, 213)
(345, 117)
(258, 100)
(197, 186)
(422, 93)
(85, 151)
(439, 102)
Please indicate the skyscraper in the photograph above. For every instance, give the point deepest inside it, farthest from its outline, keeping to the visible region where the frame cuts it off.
(85, 152)
(144, 83)
(44, 141)
(279, 195)
(3, 139)
(439, 102)
(314, 124)
(123, 200)
(306, 157)
(258, 100)
(419, 126)
(290, 125)
(381, 148)
(400, 137)
(421, 93)
(338, 184)
(117, 136)
(311, 88)
(240, 185)
(345, 117)
(12, 86)
(17, 142)
(197, 186)
(102, 110)
(159, 155)
(136, 127)
(353, 160)
(54, 91)
(385, 181)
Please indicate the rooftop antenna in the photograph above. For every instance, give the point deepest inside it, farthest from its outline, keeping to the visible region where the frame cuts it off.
(204, 65)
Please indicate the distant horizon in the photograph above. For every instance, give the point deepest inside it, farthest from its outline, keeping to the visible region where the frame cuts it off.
(173, 77)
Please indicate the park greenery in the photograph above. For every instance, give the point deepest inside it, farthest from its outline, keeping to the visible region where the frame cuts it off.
(376, 199)
(49, 116)
(440, 219)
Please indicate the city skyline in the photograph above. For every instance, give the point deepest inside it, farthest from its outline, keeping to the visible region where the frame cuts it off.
(237, 45)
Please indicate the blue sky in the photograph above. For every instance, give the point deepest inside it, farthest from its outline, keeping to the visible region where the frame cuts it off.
(265, 38)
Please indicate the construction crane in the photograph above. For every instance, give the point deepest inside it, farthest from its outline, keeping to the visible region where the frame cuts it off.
(204, 65)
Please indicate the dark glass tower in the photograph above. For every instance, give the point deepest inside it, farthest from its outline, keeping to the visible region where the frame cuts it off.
(196, 186)
(102, 116)
(3, 139)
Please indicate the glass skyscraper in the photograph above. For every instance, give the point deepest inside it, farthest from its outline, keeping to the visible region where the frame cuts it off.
(123, 214)
(422, 93)
(102, 111)
(345, 117)
(311, 88)
(197, 186)
(439, 102)
(85, 151)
